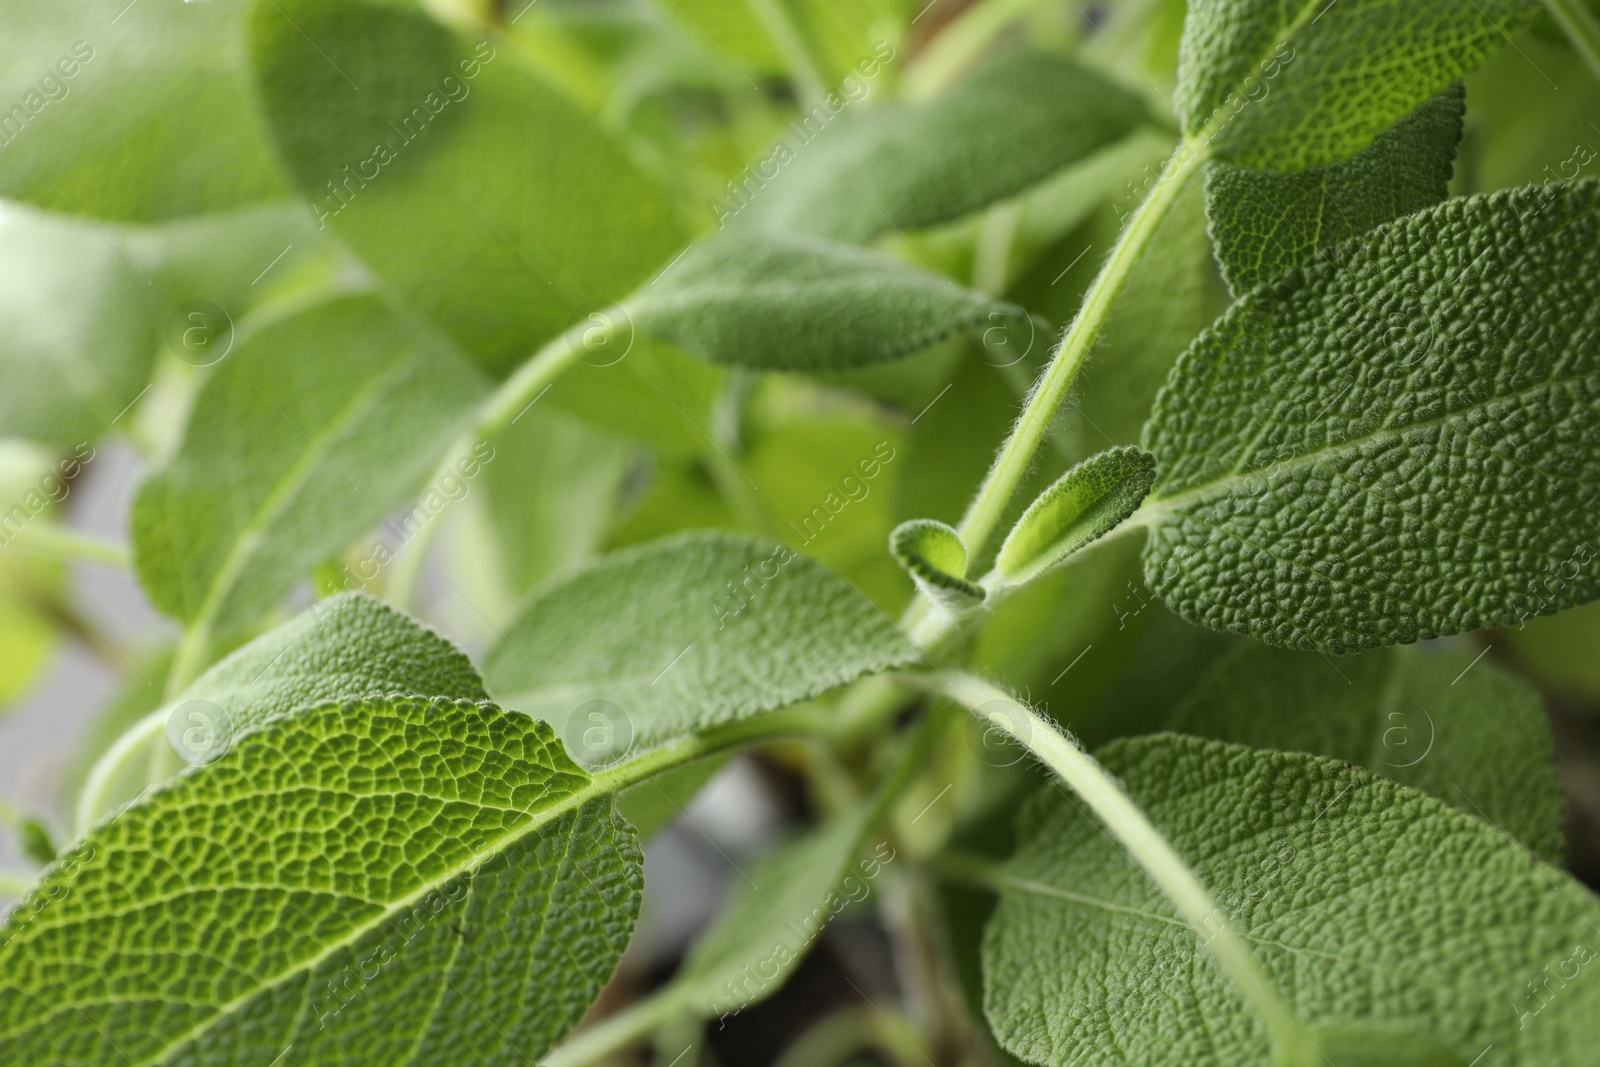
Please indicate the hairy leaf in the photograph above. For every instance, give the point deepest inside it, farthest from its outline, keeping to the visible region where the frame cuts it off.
(134, 111)
(655, 642)
(1081, 506)
(483, 196)
(1013, 124)
(303, 437)
(1308, 83)
(389, 880)
(933, 554)
(1392, 443)
(1264, 223)
(783, 302)
(1468, 733)
(1374, 909)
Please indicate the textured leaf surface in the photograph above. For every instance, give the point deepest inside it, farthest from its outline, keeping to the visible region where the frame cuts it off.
(1081, 506)
(349, 645)
(687, 633)
(303, 437)
(782, 302)
(1470, 734)
(484, 197)
(1307, 83)
(1263, 223)
(155, 119)
(933, 554)
(390, 880)
(1366, 902)
(1013, 124)
(1394, 443)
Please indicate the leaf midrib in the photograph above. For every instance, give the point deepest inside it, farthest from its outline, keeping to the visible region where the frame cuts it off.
(576, 799)
(1159, 507)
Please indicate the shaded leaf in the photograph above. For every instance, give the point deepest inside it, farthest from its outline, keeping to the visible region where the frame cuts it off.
(1468, 733)
(138, 112)
(1016, 122)
(485, 198)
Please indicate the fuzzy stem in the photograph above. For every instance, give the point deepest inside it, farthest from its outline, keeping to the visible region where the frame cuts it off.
(1000, 484)
(1143, 841)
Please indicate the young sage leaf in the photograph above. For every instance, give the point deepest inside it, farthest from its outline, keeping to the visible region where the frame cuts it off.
(340, 883)
(1375, 909)
(1468, 733)
(1083, 505)
(1287, 86)
(1390, 444)
(303, 437)
(653, 643)
(1011, 125)
(1263, 223)
(783, 302)
(932, 553)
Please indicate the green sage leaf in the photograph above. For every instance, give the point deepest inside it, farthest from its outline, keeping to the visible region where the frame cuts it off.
(1391, 444)
(784, 302)
(1374, 909)
(1466, 732)
(1308, 83)
(338, 887)
(106, 115)
(301, 439)
(1081, 506)
(485, 198)
(935, 557)
(1011, 125)
(672, 637)
(1264, 223)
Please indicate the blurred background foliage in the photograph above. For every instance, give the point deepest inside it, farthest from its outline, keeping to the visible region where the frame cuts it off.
(176, 167)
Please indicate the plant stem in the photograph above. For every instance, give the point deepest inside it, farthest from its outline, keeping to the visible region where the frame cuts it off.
(1582, 28)
(495, 415)
(57, 542)
(1142, 840)
(994, 496)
